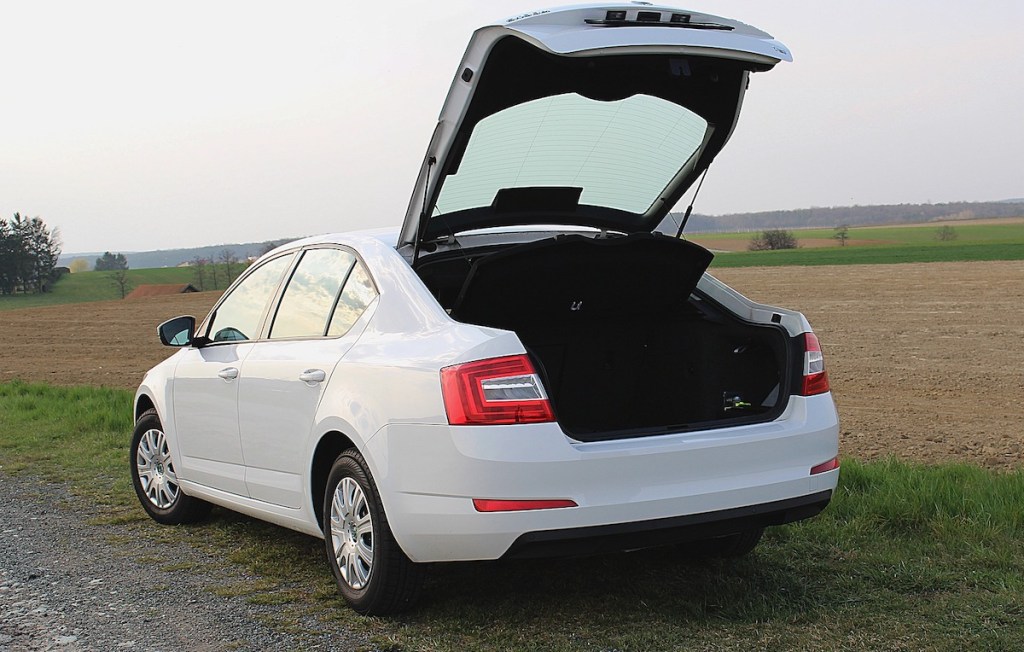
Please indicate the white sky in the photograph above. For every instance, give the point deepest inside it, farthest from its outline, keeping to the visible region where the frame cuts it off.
(143, 125)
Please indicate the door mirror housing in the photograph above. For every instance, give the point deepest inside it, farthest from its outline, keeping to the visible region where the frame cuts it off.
(179, 331)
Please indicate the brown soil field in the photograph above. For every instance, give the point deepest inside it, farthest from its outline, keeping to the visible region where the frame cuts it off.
(926, 359)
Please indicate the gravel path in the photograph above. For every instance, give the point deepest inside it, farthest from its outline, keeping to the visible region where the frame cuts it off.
(68, 585)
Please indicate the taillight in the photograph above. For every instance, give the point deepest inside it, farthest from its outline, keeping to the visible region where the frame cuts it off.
(493, 392)
(815, 376)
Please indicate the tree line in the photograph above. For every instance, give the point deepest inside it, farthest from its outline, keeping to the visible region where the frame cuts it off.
(28, 255)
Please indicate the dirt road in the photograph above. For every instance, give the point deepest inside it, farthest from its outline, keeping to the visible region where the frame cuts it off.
(926, 360)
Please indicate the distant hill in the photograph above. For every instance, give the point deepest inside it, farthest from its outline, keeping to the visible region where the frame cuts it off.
(174, 257)
(831, 216)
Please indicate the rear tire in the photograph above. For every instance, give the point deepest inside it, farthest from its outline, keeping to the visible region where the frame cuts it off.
(154, 476)
(373, 574)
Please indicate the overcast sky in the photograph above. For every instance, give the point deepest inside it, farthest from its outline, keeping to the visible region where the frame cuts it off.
(142, 125)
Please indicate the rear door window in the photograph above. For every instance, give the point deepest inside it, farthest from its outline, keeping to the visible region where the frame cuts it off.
(359, 293)
(311, 294)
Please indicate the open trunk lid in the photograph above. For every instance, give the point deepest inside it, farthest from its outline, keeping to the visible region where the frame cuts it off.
(597, 116)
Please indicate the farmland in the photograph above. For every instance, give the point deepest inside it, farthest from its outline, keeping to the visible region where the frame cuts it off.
(1001, 239)
(919, 354)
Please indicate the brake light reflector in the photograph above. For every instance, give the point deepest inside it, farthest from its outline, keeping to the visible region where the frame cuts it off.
(825, 466)
(495, 392)
(486, 505)
(815, 376)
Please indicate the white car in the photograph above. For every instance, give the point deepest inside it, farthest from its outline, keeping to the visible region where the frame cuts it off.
(525, 368)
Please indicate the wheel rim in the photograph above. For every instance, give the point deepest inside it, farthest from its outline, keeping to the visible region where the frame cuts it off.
(156, 470)
(352, 533)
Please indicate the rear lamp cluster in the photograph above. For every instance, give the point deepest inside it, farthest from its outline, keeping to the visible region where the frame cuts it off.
(815, 378)
(495, 391)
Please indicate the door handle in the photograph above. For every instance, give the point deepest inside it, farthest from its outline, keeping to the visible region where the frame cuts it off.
(228, 374)
(312, 376)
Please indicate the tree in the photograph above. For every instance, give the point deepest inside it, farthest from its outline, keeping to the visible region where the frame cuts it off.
(772, 239)
(109, 262)
(213, 273)
(229, 259)
(199, 273)
(79, 265)
(28, 255)
(119, 279)
(945, 234)
(842, 234)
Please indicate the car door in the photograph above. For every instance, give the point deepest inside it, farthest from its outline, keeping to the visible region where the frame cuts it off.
(205, 393)
(319, 317)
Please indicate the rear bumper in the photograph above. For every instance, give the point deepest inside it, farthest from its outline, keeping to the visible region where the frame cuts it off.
(640, 492)
(665, 531)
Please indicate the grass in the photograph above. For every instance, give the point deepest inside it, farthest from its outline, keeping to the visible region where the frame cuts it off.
(97, 286)
(874, 254)
(906, 557)
(905, 244)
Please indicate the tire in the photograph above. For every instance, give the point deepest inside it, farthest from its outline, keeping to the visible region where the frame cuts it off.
(373, 574)
(154, 477)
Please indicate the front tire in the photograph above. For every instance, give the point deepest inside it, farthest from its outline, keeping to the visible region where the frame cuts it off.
(154, 476)
(373, 574)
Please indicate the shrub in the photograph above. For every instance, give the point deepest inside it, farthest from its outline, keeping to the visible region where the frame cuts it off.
(773, 239)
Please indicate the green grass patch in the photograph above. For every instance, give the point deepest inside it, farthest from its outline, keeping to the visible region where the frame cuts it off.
(97, 286)
(907, 244)
(907, 556)
(873, 255)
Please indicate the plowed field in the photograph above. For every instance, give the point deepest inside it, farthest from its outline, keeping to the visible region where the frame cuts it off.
(926, 360)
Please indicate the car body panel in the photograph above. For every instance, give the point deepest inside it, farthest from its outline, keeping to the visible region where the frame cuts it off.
(430, 505)
(206, 417)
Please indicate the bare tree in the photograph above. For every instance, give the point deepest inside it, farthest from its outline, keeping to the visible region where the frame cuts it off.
(119, 279)
(213, 272)
(199, 272)
(842, 234)
(229, 259)
(945, 234)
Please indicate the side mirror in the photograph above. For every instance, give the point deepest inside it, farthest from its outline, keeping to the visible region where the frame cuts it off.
(178, 331)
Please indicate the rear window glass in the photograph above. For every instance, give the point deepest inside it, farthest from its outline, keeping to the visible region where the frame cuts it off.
(622, 153)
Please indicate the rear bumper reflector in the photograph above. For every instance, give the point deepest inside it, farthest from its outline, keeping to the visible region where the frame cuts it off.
(487, 505)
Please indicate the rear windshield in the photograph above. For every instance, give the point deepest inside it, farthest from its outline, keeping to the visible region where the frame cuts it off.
(622, 154)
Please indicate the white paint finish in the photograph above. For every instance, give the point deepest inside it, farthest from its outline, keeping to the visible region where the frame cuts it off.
(276, 410)
(205, 414)
(430, 505)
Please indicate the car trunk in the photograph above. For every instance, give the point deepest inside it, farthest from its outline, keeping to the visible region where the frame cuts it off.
(624, 342)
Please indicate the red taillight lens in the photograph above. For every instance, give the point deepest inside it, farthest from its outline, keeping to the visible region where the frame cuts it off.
(815, 376)
(493, 392)
(485, 505)
(825, 466)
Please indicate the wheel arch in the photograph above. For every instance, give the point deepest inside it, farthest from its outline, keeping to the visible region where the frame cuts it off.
(332, 444)
(143, 402)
